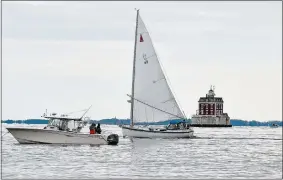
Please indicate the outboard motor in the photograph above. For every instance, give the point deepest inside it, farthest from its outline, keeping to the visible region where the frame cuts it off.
(113, 139)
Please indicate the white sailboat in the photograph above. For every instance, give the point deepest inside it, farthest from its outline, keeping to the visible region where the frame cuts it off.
(152, 99)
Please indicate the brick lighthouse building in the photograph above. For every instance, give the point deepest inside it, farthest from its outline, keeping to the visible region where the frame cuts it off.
(210, 112)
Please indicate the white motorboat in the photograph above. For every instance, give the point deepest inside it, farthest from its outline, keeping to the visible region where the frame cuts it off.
(61, 130)
(151, 99)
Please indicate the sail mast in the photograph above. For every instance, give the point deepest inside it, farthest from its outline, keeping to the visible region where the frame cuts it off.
(133, 76)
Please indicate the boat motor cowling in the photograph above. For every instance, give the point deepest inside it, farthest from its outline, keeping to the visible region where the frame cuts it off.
(113, 139)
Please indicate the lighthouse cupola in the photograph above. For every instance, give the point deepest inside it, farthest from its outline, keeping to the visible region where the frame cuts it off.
(210, 93)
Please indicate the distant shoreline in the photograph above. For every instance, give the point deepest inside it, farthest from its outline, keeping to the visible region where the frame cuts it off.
(114, 121)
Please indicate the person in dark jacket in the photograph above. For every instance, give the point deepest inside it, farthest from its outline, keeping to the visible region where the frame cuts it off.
(98, 129)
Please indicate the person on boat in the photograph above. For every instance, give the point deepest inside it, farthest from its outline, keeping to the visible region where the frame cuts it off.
(92, 128)
(184, 124)
(98, 129)
(172, 127)
(181, 126)
(178, 125)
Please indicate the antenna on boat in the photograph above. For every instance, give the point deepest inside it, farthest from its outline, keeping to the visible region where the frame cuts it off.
(44, 114)
(85, 112)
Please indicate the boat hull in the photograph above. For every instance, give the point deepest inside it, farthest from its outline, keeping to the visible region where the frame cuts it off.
(143, 133)
(43, 136)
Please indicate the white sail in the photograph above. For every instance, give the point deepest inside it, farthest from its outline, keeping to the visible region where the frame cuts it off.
(153, 99)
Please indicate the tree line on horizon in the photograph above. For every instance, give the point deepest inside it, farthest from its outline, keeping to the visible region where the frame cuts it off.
(115, 121)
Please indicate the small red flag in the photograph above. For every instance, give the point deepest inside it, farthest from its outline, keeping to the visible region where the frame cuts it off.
(141, 38)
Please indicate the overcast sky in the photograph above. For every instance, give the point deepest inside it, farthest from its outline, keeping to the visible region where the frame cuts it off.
(66, 56)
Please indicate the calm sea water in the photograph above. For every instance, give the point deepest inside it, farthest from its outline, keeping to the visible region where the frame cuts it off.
(237, 152)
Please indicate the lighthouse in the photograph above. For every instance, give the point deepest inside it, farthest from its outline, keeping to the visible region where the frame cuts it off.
(210, 112)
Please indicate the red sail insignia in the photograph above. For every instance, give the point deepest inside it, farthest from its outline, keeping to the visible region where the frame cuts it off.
(141, 38)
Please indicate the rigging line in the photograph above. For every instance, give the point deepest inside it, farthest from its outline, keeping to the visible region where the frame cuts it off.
(85, 112)
(152, 114)
(75, 111)
(159, 80)
(156, 107)
(5, 134)
(171, 88)
(165, 75)
(168, 100)
(146, 115)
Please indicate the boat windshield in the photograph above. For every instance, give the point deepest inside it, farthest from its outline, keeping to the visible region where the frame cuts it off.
(72, 124)
(65, 124)
(54, 122)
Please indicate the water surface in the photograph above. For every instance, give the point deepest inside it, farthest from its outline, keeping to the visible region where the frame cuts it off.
(237, 152)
